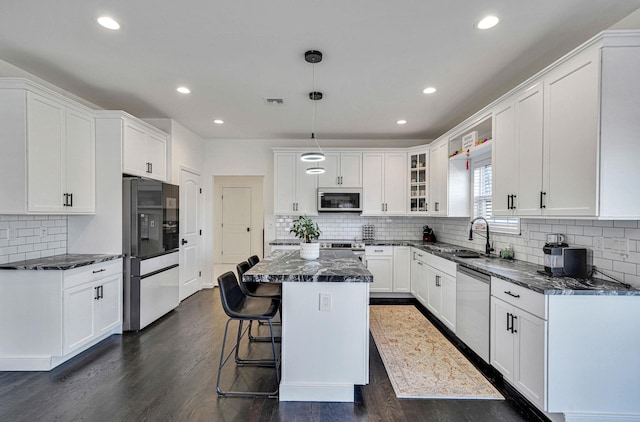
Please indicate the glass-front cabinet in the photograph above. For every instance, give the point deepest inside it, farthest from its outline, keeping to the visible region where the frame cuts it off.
(418, 182)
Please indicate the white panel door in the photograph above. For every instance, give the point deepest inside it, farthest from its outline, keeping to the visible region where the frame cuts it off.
(530, 348)
(79, 315)
(284, 183)
(502, 342)
(189, 233)
(236, 224)
(156, 153)
(110, 304)
(80, 162)
(331, 165)
(373, 183)
(45, 120)
(306, 189)
(395, 186)
(503, 167)
(529, 146)
(382, 269)
(351, 170)
(402, 269)
(135, 150)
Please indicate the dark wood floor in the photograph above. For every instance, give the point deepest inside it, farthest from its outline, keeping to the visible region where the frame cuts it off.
(168, 373)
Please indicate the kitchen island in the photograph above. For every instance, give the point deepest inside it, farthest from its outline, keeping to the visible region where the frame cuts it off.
(325, 323)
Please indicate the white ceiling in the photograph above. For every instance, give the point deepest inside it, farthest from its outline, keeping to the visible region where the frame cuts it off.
(378, 57)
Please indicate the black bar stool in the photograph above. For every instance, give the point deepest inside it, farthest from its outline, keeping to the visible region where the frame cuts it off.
(251, 289)
(239, 307)
(253, 260)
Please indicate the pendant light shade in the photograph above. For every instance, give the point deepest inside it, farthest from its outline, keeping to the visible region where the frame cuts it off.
(312, 156)
(315, 170)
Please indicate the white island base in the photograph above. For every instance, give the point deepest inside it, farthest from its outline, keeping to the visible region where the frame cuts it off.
(325, 340)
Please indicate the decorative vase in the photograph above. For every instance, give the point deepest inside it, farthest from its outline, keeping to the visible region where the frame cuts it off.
(309, 250)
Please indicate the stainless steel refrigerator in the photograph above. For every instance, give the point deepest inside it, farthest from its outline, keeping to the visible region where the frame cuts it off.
(150, 244)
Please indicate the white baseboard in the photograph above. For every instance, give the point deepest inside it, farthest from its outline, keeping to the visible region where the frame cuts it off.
(316, 392)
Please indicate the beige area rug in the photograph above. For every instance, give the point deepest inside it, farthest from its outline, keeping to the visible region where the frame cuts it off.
(420, 361)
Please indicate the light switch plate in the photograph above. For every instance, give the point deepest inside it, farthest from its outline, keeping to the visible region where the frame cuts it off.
(325, 302)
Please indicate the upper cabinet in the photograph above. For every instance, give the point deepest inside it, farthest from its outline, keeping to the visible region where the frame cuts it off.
(295, 191)
(438, 170)
(342, 170)
(384, 183)
(145, 151)
(419, 181)
(48, 160)
(565, 141)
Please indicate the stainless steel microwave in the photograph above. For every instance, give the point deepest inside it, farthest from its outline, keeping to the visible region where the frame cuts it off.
(339, 200)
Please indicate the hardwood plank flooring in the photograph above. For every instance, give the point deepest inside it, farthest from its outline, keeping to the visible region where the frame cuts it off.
(167, 372)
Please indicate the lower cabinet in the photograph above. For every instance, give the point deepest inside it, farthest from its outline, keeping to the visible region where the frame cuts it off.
(518, 336)
(441, 297)
(419, 275)
(380, 263)
(402, 269)
(91, 309)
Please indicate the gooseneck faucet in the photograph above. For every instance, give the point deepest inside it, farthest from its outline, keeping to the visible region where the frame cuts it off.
(487, 247)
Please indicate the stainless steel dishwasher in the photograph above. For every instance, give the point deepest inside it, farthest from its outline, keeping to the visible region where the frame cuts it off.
(473, 293)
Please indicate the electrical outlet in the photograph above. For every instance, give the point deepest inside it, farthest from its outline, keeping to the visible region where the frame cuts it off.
(598, 243)
(620, 246)
(325, 301)
(44, 231)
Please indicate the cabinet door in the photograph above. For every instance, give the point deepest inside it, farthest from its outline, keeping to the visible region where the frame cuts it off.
(503, 164)
(434, 295)
(45, 140)
(401, 269)
(109, 311)
(502, 342)
(438, 163)
(80, 162)
(331, 165)
(306, 189)
(134, 150)
(373, 183)
(422, 280)
(382, 269)
(530, 347)
(395, 183)
(571, 137)
(414, 276)
(156, 153)
(529, 146)
(79, 305)
(284, 183)
(351, 170)
(448, 301)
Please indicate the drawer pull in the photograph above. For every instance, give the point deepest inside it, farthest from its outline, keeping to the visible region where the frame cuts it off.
(511, 294)
(378, 250)
(99, 271)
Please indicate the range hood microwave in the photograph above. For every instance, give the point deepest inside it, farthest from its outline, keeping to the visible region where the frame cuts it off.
(339, 200)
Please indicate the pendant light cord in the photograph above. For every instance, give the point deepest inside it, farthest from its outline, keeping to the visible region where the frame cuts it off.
(315, 106)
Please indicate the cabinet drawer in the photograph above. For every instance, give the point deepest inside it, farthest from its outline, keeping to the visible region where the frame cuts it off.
(444, 265)
(92, 272)
(519, 296)
(419, 255)
(379, 250)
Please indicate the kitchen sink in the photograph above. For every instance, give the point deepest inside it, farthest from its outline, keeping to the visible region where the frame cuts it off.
(465, 253)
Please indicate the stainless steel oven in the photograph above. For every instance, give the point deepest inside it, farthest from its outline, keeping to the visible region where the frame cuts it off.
(356, 247)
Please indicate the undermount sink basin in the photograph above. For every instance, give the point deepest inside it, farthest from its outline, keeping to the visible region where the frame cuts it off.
(465, 253)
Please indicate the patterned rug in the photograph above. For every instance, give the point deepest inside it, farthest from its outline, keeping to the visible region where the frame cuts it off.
(420, 361)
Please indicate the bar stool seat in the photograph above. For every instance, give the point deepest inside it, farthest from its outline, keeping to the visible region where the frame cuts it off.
(239, 307)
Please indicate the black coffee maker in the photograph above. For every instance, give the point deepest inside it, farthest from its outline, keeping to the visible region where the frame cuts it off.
(561, 260)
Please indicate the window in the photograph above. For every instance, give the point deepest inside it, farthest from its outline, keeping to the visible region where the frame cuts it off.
(482, 190)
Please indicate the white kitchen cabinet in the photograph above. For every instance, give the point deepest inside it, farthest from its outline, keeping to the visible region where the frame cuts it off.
(419, 275)
(384, 183)
(402, 269)
(295, 191)
(438, 178)
(503, 159)
(418, 181)
(518, 333)
(144, 150)
(69, 311)
(441, 297)
(92, 306)
(379, 261)
(48, 160)
(342, 170)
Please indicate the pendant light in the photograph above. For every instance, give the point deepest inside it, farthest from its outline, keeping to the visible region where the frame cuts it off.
(313, 57)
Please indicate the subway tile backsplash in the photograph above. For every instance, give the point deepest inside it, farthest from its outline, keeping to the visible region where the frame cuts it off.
(613, 245)
(21, 236)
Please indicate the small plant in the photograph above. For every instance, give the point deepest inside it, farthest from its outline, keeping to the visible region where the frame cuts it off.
(305, 229)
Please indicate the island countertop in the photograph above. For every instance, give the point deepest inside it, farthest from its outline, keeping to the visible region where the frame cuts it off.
(340, 266)
(59, 262)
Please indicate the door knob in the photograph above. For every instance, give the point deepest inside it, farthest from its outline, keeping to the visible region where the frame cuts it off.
(184, 242)
(248, 229)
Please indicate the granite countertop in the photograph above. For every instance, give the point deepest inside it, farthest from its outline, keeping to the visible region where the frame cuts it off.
(58, 262)
(519, 272)
(340, 266)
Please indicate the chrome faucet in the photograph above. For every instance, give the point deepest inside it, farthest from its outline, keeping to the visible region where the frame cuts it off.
(487, 248)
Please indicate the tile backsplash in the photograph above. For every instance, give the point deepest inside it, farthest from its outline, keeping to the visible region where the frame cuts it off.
(613, 245)
(22, 237)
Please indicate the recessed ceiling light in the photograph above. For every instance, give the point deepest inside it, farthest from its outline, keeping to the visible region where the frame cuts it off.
(488, 22)
(183, 90)
(401, 122)
(108, 22)
(218, 121)
(429, 90)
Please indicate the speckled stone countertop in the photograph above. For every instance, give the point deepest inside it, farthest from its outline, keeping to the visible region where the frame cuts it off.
(58, 262)
(519, 272)
(340, 266)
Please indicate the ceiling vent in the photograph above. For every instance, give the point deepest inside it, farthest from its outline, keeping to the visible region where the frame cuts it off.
(274, 101)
